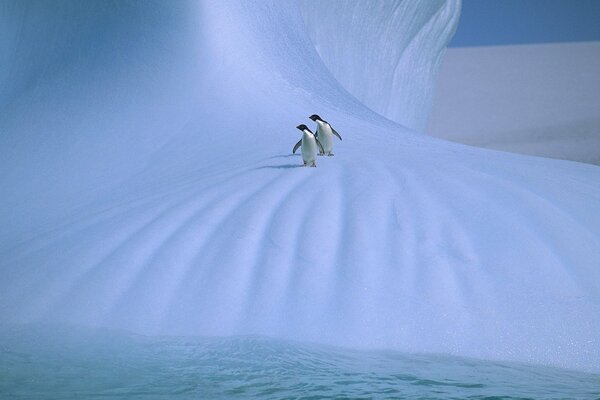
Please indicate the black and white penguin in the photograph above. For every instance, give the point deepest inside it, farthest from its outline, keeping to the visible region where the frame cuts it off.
(325, 134)
(309, 145)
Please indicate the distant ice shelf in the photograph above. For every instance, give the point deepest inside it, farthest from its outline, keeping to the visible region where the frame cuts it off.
(541, 100)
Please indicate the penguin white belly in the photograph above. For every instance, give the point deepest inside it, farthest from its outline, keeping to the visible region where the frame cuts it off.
(309, 150)
(326, 138)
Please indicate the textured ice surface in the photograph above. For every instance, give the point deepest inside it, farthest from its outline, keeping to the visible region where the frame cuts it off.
(148, 184)
(385, 53)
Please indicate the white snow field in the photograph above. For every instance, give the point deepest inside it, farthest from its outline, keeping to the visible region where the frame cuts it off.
(148, 185)
(541, 99)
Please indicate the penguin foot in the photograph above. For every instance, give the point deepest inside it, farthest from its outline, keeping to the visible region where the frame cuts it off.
(330, 155)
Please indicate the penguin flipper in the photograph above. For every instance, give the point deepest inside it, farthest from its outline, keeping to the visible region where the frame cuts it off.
(335, 132)
(296, 146)
(320, 146)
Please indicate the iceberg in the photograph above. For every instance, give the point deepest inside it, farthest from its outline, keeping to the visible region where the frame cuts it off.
(148, 185)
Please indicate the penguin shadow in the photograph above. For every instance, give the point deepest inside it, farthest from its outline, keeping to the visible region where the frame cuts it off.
(284, 156)
(285, 166)
(282, 166)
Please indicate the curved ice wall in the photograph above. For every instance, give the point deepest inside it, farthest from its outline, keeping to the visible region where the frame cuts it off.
(386, 53)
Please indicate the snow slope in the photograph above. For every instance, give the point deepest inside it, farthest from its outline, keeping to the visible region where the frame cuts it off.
(541, 100)
(149, 186)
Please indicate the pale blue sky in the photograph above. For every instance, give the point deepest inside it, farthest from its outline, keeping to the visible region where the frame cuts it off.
(500, 22)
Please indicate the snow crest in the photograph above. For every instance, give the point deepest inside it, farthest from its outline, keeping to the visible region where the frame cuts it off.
(386, 54)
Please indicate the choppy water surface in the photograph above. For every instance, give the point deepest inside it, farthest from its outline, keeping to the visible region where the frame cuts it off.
(67, 363)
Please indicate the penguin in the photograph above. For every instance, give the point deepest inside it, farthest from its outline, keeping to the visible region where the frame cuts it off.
(309, 145)
(325, 134)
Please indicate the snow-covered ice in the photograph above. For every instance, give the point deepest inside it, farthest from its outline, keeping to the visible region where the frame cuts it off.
(148, 184)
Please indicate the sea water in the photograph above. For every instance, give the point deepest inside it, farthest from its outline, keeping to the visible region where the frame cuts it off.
(75, 363)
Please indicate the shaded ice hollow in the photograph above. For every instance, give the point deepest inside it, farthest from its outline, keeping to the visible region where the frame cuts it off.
(148, 185)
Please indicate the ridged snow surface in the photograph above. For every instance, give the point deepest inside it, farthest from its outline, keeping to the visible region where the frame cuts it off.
(385, 53)
(148, 184)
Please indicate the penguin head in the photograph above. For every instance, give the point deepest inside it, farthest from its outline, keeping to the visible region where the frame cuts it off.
(315, 118)
(303, 127)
